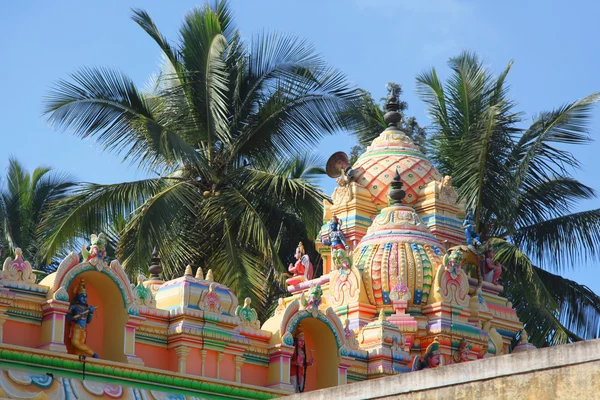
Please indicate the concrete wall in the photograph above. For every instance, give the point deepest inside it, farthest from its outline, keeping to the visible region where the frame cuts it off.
(564, 372)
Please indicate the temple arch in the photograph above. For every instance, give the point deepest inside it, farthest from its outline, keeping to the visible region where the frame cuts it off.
(323, 334)
(111, 333)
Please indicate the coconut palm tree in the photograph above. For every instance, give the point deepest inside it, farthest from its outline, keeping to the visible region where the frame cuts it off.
(24, 198)
(219, 131)
(519, 183)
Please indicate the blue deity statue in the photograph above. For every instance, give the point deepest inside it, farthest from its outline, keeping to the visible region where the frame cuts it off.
(335, 238)
(469, 225)
(80, 313)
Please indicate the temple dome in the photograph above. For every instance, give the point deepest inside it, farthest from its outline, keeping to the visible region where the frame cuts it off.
(398, 257)
(393, 150)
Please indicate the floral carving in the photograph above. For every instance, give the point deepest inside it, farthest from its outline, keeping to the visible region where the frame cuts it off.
(18, 270)
(400, 292)
(345, 280)
(248, 316)
(211, 301)
(143, 295)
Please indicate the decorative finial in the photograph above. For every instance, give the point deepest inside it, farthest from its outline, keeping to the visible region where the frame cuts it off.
(395, 193)
(155, 268)
(188, 271)
(199, 273)
(392, 117)
(382, 315)
(524, 337)
(209, 276)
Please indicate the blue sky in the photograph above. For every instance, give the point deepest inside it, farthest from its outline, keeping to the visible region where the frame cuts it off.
(554, 45)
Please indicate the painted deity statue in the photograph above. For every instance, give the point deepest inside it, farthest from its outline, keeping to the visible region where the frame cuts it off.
(302, 269)
(97, 250)
(491, 266)
(300, 362)
(462, 353)
(80, 313)
(470, 234)
(431, 359)
(335, 238)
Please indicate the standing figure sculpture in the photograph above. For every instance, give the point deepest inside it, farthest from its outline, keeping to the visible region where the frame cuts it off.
(302, 269)
(470, 234)
(335, 238)
(300, 362)
(491, 266)
(431, 359)
(80, 313)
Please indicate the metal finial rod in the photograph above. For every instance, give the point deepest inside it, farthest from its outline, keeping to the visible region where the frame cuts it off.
(395, 192)
(392, 117)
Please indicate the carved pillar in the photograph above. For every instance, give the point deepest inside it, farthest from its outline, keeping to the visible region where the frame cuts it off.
(345, 363)
(133, 322)
(280, 357)
(4, 304)
(53, 325)
(203, 356)
(182, 353)
(219, 359)
(239, 361)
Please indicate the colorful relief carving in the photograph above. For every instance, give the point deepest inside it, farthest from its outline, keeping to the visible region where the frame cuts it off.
(81, 314)
(447, 192)
(463, 352)
(400, 292)
(452, 282)
(431, 359)
(211, 301)
(344, 280)
(97, 252)
(350, 336)
(302, 270)
(142, 295)
(18, 270)
(313, 300)
(247, 315)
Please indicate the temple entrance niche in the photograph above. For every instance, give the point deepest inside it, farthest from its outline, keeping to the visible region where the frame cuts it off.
(105, 332)
(321, 345)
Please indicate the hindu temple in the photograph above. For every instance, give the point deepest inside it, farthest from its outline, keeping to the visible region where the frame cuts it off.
(406, 286)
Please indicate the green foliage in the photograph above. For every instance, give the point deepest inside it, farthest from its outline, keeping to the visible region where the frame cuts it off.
(518, 181)
(219, 129)
(24, 198)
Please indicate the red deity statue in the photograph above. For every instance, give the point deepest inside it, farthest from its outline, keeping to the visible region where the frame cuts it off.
(491, 266)
(300, 362)
(302, 269)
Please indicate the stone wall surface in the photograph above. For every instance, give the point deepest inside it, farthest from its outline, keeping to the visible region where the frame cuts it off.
(564, 372)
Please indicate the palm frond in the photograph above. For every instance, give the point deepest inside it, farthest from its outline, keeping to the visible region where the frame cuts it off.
(563, 240)
(91, 208)
(536, 154)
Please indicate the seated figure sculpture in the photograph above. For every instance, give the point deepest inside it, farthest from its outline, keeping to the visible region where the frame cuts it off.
(431, 359)
(491, 269)
(335, 238)
(302, 269)
(470, 233)
(81, 314)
